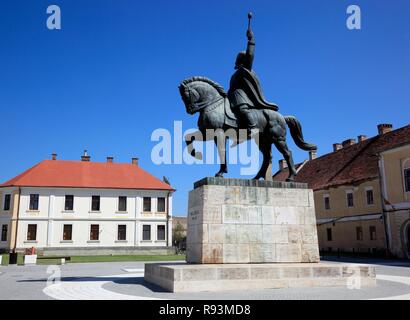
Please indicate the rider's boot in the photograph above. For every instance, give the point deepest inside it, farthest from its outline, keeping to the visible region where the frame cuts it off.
(251, 124)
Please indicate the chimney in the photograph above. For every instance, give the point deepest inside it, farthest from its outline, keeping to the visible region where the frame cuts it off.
(312, 154)
(110, 159)
(348, 142)
(384, 128)
(54, 156)
(85, 156)
(282, 164)
(361, 138)
(337, 146)
(134, 161)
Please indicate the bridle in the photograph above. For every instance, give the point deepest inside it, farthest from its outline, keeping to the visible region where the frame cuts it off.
(198, 106)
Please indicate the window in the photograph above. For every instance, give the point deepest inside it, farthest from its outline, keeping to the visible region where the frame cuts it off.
(359, 233)
(369, 197)
(349, 197)
(95, 203)
(4, 230)
(147, 204)
(329, 234)
(69, 203)
(32, 232)
(7, 199)
(161, 232)
(146, 232)
(407, 179)
(68, 232)
(122, 203)
(33, 202)
(327, 202)
(94, 232)
(372, 230)
(122, 232)
(161, 205)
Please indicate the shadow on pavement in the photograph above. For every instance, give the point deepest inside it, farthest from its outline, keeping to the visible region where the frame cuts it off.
(137, 280)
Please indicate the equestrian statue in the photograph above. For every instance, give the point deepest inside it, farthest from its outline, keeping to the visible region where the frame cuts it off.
(242, 108)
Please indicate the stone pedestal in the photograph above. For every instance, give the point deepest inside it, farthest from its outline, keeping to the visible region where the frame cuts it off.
(184, 277)
(245, 221)
(245, 234)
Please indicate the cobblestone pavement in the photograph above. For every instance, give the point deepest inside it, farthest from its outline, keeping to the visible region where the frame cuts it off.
(124, 280)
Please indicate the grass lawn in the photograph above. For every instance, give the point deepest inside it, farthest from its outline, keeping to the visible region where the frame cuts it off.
(113, 258)
(5, 260)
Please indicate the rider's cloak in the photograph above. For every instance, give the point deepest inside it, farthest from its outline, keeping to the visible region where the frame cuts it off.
(245, 88)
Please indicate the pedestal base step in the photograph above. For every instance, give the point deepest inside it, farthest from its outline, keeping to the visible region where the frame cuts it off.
(183, 277)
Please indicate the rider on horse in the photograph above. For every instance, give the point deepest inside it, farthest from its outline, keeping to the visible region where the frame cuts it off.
(245, 92)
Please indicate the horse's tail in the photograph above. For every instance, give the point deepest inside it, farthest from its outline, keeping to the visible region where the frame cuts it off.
(297, 135)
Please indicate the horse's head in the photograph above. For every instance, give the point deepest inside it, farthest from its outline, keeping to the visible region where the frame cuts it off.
(197, 92)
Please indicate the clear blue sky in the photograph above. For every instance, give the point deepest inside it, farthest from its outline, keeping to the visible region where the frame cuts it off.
(109, 77)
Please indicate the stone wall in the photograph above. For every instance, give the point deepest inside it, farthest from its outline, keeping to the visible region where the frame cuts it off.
(251, 224)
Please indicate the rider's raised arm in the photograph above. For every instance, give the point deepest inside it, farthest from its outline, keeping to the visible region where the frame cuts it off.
(250, 50)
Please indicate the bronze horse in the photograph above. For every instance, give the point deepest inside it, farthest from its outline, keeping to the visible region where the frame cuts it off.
(205, 96)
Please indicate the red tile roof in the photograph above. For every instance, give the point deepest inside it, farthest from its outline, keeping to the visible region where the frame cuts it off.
(83, 174)
(349, 165)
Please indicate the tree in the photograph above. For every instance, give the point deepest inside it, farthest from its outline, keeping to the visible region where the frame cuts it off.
(178, 236)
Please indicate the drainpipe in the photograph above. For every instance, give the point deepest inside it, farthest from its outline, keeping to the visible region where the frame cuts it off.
(166, 229)
(13, 253)
(17, 221)
(384, 211)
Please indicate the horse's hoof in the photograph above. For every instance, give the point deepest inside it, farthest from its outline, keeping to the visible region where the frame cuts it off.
(219, 175)
(198, 155)
(290, 179)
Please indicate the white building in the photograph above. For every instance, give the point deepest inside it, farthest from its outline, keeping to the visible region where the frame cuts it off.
(84, 207)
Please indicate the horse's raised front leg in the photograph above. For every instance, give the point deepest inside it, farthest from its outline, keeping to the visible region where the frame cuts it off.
(189, 140)
(220, 142)
(282, 146)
